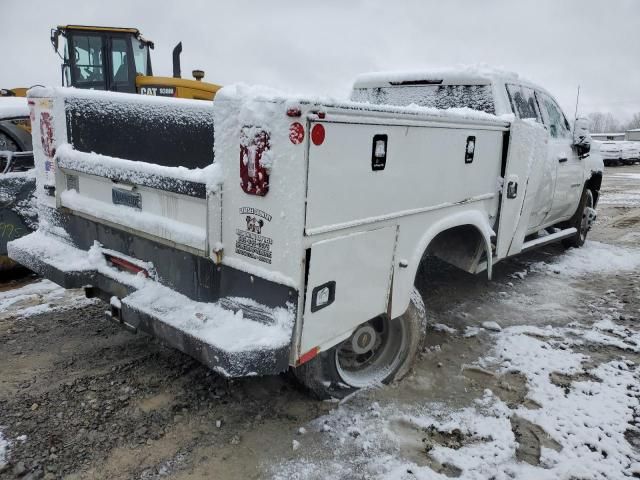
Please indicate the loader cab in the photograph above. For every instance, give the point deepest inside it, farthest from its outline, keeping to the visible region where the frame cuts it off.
(103, 58)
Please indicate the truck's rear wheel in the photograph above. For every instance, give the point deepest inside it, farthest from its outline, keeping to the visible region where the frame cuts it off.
(379, 351)
(582, 220)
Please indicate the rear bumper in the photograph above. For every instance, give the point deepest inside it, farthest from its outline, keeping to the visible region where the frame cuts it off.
(232, 336)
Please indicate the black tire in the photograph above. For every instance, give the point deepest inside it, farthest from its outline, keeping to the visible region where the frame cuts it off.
(325, 377)
(582, 220)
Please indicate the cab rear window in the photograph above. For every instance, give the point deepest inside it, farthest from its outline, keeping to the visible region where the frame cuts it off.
(476, 97)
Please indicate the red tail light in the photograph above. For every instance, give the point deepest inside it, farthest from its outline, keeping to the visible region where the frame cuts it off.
(254, 161)
(317, 134)
(122, 264)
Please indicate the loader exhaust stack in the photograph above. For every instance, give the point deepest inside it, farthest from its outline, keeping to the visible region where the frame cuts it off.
(176, 60)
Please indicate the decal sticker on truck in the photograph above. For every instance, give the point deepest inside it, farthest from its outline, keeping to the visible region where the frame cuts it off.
(251, 241)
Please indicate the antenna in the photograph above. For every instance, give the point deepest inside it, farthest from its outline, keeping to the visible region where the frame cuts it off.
(577, 100)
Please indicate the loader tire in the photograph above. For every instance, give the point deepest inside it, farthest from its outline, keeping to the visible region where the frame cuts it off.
(582, 220)
(342, 370)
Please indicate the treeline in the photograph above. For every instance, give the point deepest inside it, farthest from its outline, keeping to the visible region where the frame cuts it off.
(608, 123)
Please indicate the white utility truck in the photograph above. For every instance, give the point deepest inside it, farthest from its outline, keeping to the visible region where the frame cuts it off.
(291, 238)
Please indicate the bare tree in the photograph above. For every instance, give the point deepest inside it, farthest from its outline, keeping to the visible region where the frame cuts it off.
(634, 122)
(605, 123)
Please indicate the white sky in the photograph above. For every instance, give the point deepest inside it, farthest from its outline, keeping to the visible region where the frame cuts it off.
(318, 47)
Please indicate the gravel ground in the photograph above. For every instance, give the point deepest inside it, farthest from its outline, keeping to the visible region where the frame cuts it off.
(80, 398)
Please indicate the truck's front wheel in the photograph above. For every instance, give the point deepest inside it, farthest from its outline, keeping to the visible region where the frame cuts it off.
(582, 220)
(379, 351)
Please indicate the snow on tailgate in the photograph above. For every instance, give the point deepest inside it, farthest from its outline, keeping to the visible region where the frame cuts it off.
(135, 172)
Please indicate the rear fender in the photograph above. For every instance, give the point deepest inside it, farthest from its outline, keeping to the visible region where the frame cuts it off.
(475, 218)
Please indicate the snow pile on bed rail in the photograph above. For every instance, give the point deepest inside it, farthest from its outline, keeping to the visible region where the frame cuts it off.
(329, 105)
(110, 96)
(148, 174)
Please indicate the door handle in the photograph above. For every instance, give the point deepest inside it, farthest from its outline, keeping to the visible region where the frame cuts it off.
(512, 189)
(562, 159)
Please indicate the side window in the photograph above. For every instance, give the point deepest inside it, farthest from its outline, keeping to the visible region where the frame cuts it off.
(88, 59)
(555, 119)
(523, 102)
(119, 61)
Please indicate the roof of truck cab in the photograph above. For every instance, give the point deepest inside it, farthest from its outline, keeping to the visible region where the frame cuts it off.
(466, 74)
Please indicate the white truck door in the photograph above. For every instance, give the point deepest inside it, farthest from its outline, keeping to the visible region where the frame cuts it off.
(570, 172)
(348, 283)
(523, 174)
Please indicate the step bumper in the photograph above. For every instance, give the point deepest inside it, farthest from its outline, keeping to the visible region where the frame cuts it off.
(235, 337)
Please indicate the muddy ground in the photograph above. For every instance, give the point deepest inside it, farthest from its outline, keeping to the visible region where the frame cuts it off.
(81, 398)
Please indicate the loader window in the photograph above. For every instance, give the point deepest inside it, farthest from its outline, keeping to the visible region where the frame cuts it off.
(119, 61)
(140, 56)
(88, 71)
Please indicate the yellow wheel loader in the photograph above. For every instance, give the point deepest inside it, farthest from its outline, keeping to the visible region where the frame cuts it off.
(118, 59)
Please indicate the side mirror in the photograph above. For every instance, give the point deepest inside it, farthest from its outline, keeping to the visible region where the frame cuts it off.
(581, 136)
(54, 39)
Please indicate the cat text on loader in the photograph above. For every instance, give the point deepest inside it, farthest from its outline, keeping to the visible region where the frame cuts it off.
(118, 59)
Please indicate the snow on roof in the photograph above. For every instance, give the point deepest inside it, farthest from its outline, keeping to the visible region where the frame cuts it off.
(609, 134)
(634, 130)
(466, 74)
(13, 107)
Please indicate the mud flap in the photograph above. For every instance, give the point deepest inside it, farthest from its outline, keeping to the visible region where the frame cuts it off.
(17, 213)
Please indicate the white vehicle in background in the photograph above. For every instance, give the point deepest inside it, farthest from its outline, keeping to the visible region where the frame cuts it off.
(630, 152)
(611, 153)
(298, 244)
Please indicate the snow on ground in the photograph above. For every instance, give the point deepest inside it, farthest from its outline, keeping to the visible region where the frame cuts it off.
(4, 446)
(39, 297)
(593, 258)
(572, 425)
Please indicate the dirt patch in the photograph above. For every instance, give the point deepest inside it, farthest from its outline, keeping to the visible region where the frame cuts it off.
(565, 381)
(531, 438)
(510, 387)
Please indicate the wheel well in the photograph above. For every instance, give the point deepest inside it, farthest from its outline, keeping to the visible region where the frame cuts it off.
(462, 246)
(594, 184)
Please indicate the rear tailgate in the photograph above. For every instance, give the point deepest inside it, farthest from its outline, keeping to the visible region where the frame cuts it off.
(137, 164)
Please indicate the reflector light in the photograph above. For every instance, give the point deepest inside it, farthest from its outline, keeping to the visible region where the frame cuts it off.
(123, 264)
(308, 356)
(317, 134)
(254, 152)
(296, 133)
(294, 112)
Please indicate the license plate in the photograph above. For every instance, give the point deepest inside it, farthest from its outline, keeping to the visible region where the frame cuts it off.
(127, 198)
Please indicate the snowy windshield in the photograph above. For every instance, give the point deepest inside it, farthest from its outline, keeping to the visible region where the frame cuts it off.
(476, 97)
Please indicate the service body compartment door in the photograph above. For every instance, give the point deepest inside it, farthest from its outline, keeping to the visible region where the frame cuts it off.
(348, 284)
(524, 171)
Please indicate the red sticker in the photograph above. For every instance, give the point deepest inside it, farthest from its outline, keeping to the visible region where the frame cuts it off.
(296, 133)
(317, 134)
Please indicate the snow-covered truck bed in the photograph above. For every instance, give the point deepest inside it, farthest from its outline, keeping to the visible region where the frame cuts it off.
(291, 237)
